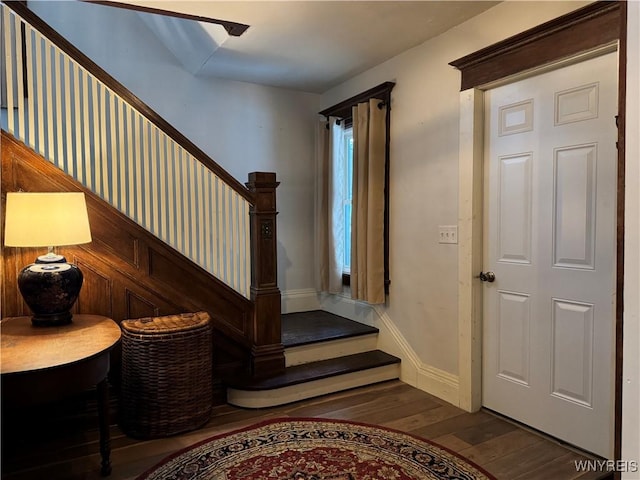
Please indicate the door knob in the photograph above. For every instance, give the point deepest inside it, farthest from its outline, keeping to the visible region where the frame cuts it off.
(487, 277)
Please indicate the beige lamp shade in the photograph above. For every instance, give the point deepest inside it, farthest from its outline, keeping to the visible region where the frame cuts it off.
(46, 219)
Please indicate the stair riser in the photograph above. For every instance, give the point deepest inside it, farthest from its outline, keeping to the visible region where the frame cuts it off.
(315, 388)
(329, 349)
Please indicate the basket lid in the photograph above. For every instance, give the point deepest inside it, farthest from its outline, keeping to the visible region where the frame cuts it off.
(166, 324)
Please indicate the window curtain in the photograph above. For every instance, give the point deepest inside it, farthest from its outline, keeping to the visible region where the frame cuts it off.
(367, 217)
(331, 205)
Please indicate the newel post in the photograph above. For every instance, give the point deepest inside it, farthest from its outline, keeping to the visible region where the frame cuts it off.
(267, 351)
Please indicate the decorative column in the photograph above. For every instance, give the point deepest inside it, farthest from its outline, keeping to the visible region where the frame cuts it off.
(267, 351)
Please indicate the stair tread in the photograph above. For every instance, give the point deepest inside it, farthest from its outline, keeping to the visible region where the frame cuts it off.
(317, 370)
(303, 328)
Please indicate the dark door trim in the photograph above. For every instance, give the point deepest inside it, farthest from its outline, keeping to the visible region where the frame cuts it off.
(585, 29)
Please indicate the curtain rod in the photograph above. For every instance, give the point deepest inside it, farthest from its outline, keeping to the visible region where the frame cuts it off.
(380, 105)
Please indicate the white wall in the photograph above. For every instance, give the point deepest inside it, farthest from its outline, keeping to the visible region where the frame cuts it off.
(631, 347)
(243, 127)
(424, 171)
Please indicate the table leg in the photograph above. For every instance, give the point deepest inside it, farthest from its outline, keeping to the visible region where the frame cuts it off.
(103, 419)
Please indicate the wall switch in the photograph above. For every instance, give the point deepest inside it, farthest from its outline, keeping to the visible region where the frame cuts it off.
(448, 234)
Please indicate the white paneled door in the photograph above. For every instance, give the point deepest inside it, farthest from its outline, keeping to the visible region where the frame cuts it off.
(550, 219)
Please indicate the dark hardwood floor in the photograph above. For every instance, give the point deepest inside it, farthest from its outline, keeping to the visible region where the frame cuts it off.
(500, 446)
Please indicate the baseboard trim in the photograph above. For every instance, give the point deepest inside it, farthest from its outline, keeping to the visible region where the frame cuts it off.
(414, 371)
(343, 305)
(302, 300)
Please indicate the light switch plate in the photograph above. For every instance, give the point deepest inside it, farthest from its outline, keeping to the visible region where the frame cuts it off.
(448, 234)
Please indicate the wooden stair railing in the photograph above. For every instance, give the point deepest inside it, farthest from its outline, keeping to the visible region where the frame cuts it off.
(250, 341)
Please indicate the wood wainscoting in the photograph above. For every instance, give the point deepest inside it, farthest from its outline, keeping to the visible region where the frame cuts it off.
(128, 272)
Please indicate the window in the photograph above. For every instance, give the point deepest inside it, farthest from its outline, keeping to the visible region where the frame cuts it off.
(343, 110)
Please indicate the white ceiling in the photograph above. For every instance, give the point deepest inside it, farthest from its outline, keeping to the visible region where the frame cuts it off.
(315, 45)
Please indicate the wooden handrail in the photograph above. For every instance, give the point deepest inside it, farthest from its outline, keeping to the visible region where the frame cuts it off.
(234, 29)
(63, 44)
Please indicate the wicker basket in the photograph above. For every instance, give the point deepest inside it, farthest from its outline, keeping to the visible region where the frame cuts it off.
(166, 374)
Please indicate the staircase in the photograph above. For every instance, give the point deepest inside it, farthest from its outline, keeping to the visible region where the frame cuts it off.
(324, 353)
(172, 230)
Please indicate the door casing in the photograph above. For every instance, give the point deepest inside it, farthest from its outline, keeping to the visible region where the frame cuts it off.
(470, 229)
(470, 222)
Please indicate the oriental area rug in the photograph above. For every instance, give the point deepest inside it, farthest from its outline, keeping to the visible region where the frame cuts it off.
(315, 449)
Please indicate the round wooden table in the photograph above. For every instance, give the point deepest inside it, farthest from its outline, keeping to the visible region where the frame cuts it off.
(42, 364)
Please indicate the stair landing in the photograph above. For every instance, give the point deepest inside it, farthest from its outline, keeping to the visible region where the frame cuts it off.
(303, 328)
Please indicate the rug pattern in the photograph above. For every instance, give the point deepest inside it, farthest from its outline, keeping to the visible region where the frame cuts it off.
(315, 449)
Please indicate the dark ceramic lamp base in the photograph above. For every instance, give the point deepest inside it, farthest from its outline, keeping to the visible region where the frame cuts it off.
(50, 290)
(42, 320)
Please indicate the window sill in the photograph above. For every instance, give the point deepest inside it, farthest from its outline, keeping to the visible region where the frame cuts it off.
(346, 281)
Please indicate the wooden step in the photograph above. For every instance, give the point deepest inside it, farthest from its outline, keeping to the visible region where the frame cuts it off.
(325, 353)
(317, 335)
(314, 379)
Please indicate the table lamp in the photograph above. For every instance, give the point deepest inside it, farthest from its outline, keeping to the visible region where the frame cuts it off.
(50, 286)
